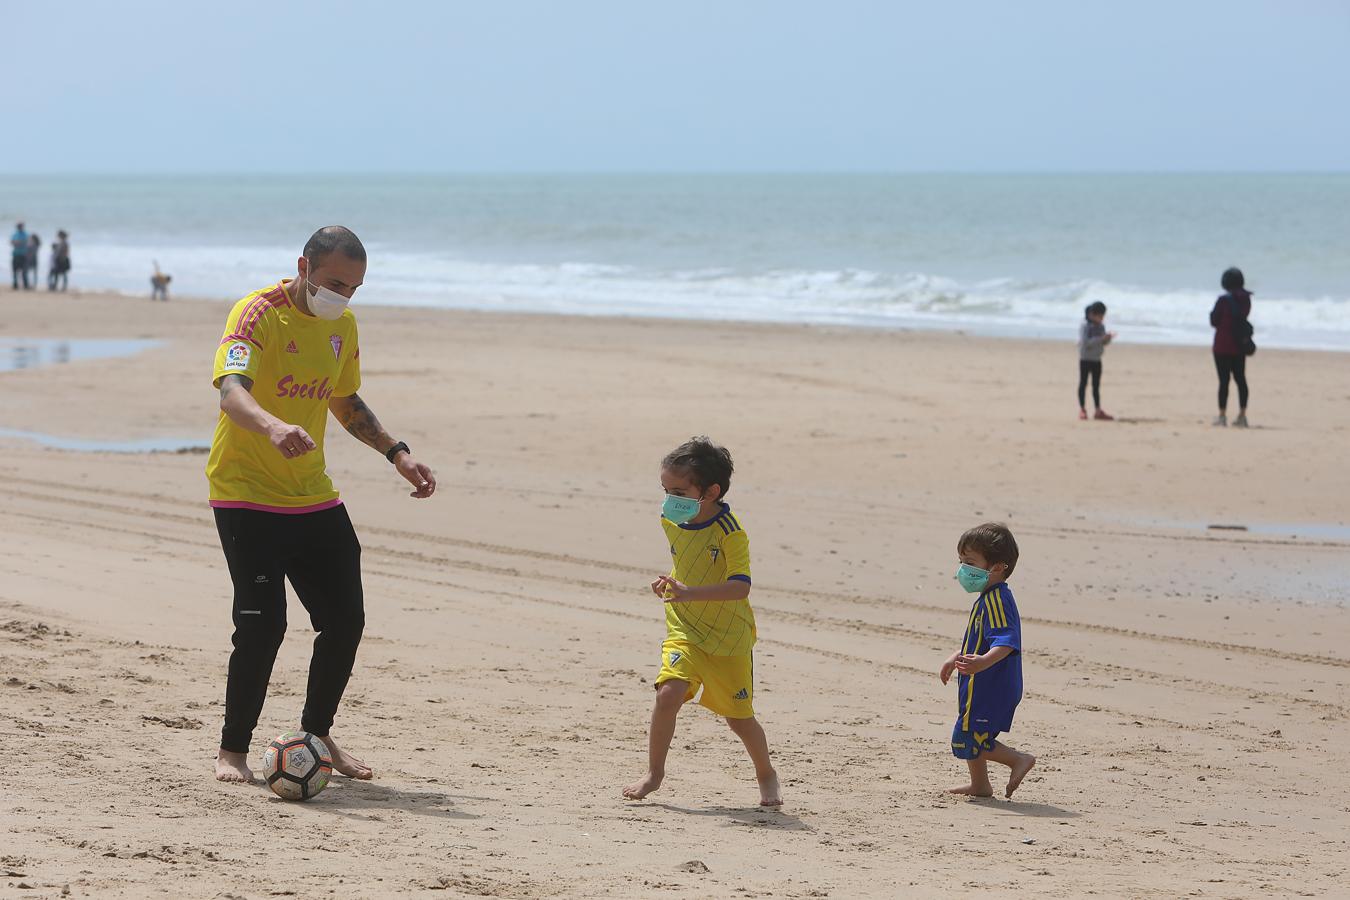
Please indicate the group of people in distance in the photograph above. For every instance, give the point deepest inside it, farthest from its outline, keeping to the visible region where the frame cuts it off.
(1233, 343)
(279, 518)
(24, 249)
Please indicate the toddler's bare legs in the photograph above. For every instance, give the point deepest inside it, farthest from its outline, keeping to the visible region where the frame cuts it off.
(751, 734)
(1019, 763)
(669, 698)
(979, 779)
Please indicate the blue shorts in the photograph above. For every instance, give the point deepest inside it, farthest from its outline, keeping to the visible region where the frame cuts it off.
(970, 744)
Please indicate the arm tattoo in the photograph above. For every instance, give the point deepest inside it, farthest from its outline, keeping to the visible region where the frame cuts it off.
(361, 423)
(230, 382)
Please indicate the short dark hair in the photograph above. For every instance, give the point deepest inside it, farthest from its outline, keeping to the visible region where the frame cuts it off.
(334, 239)
(1232, 279)
(706, 463)
(1097, 307)
(993, 541)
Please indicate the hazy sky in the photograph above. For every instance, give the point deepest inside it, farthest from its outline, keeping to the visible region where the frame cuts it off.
(586, 85)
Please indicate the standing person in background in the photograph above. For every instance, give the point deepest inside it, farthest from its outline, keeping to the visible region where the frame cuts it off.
(1092, 340)
(1232, 341)
(30, 278)
(60, 262)
(18, 256)
(159, 285)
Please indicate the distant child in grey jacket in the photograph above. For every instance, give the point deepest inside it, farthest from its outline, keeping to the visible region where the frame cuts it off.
(1092, 340)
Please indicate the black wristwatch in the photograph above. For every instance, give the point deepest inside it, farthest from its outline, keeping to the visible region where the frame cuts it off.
(395, 449)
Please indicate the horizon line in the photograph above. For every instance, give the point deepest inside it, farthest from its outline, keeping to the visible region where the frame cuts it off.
(537, 173)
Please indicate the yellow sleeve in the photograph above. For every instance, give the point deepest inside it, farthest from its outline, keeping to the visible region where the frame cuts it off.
(241, 346)
(736, 547)
(349, 379)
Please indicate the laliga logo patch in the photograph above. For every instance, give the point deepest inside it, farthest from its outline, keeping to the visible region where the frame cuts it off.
(336, 343)
(237, 356)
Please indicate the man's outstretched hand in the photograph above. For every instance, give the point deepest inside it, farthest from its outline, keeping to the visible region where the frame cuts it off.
(418, 475)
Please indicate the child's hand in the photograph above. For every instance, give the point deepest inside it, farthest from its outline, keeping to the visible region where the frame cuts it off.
(1110, 336)
(971, 664)
(671, 589)
(659, 587)
(945, 672)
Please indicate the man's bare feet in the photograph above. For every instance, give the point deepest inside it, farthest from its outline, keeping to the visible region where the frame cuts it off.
(644, 786)
(233, 767)
(346, 764)
(1019, 771)
(769, 792)
(973, 790)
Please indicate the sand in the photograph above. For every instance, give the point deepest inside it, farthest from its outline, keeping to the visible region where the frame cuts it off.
(1186, 687)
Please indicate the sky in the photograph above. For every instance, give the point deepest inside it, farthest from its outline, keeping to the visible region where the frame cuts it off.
(144, 86)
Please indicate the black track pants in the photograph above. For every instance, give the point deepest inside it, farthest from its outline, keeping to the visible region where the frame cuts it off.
(1091, 367)
(1236, 366)
(321, 556)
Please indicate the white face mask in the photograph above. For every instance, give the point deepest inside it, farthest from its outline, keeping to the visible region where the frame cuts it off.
(324, 302)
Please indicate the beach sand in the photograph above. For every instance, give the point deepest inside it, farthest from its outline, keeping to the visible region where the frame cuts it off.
(1186, 688)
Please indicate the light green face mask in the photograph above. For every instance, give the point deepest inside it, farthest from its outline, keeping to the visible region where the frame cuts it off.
(972, 579)
(679, 509)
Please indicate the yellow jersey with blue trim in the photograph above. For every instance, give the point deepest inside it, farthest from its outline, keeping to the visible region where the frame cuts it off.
(297, 363)
(711, 552)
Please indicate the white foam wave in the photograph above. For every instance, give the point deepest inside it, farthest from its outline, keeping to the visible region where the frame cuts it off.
(847, 296)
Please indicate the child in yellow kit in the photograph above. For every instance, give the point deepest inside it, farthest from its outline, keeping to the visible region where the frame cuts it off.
(710, 627)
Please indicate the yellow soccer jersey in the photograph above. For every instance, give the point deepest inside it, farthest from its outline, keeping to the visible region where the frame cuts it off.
(712, 552)
(296, 363)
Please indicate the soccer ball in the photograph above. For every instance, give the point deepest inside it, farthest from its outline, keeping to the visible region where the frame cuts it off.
(297, 765)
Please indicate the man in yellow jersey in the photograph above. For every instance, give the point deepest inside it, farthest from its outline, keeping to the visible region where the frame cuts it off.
(290, 356)
(710, 628)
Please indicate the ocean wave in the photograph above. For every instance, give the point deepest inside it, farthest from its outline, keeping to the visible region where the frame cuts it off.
(842, 297)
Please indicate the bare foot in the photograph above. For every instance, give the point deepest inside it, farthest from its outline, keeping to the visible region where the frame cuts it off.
(346, 764)
(769, 792)
(641, 788)
(973, 790)
(1019, 771)
(233, 767)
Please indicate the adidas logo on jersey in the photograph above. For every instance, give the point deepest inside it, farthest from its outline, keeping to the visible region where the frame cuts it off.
(291, 348)
(713, 551)
(742, 694)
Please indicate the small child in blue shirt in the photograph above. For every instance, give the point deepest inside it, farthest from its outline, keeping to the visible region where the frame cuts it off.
(989, 663)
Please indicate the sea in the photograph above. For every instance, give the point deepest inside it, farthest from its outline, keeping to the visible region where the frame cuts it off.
(1015, 255)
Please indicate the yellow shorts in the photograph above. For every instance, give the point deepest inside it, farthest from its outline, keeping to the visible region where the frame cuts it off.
(727, 681)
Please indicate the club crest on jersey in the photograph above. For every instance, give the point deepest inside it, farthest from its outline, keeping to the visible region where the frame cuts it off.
(674, 657)
(236, 357)
(336, 342)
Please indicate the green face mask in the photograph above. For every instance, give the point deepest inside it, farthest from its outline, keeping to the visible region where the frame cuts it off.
(679, 509)
(972, 579)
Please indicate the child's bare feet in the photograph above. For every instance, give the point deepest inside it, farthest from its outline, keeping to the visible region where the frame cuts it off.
(973, 790)
(1019, 771)
(769, 792)
(233, 767)
(644, 786)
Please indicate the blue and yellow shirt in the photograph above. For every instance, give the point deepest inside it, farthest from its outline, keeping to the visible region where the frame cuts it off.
(986, 701)
(712, 552)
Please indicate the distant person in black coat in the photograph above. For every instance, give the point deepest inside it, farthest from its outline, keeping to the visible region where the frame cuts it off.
(1231, 333)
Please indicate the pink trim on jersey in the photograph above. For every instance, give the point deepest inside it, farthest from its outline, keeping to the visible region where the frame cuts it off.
(231, 338)
(249, 318)
(254, 312)
(284, 510)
